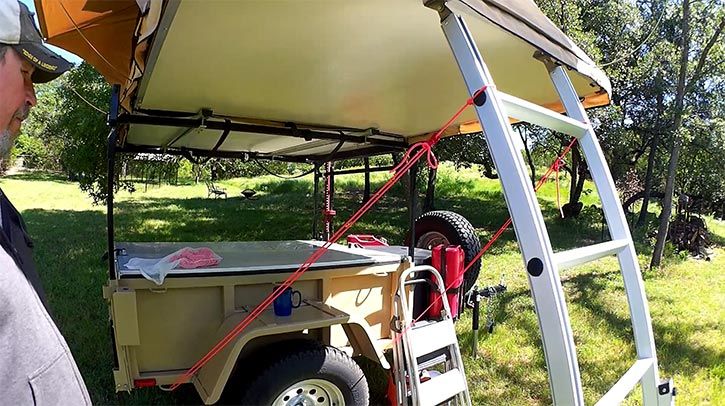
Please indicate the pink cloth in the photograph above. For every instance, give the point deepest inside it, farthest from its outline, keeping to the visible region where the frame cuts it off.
(195, 257)
(155, 269)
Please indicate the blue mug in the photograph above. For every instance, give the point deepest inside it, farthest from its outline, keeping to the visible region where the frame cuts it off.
(284, 304)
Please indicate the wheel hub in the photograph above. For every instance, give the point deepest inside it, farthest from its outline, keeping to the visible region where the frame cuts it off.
(311, 392)
(431, 239)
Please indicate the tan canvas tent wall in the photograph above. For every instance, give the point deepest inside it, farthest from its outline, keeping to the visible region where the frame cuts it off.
(321, 64)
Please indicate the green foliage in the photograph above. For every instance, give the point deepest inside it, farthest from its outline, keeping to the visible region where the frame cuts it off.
(638, 45)
(68, 133)
(33, 150)
(82, 129)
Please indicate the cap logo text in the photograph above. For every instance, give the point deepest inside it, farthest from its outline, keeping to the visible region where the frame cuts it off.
(38, 62)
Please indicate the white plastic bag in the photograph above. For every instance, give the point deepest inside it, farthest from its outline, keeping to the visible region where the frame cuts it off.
(155, 269)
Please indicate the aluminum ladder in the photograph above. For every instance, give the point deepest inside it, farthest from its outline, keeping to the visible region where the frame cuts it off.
(542, 264)
(425, 344)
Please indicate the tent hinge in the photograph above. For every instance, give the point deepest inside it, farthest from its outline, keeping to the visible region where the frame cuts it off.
(547, 60)
(439, 6)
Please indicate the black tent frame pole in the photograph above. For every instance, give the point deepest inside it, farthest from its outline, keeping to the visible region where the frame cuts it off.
(363, 170)
(366, 192)
(112, 138)
(315, 197)
(112, 121)
(413, 175)
(291, 130)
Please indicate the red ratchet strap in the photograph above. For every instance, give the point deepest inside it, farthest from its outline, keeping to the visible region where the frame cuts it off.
(414, 153)
(552, 168)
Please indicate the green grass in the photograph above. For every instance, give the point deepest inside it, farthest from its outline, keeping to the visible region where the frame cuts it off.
(686, 295)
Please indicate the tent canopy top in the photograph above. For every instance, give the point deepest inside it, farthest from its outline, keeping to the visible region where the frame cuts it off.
(361, 77)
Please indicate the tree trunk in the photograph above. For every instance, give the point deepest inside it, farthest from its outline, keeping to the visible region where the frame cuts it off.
(648, 179)
(677, 142)
(488, 170)
(429, 203)
(413, 203)
(532, 167)
(405, 180)
(577, 176)
(651, 158)
(579, 185)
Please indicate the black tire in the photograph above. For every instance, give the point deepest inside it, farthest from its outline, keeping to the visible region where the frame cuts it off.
(455, 230)
(323, 363)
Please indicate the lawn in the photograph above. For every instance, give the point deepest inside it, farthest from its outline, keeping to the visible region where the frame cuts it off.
(687, 296)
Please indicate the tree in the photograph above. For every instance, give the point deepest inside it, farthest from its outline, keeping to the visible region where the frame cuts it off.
(684, 86)
(467, 150)
(79, 125)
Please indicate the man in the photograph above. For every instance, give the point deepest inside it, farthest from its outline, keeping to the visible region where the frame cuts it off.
(36, 366)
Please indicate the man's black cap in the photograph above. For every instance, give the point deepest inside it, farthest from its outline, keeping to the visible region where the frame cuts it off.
(18, 30)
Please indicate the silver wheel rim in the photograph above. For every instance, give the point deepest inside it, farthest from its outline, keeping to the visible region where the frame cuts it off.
(431, 239)
(311, 392)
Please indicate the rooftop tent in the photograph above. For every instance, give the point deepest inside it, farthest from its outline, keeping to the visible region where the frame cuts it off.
(378, 72)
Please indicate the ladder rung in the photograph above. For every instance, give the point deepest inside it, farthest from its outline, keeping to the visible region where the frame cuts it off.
(439, 357)
(578, 256)
(431, 337)
(442, 387)
(626, 383)
(532, 113)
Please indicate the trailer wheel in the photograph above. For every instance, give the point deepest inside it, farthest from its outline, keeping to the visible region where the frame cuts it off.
(323, 376)
(447, 227)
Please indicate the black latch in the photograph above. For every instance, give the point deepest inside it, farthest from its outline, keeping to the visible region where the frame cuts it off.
(664, 389)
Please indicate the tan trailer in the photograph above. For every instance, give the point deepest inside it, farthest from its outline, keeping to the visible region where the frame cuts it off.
(160, 331)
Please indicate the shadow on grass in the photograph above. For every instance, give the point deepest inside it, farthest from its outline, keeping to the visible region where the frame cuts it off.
(671, 335)
(39, 176)
(718, 240)
(515, 312)
(597, 296)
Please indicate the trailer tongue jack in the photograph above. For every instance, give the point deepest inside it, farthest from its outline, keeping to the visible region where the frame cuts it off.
(474, 301)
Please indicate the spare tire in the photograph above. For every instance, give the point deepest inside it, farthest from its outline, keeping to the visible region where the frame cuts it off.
(446, 227)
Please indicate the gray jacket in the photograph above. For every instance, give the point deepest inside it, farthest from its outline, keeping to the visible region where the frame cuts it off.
(36, 366)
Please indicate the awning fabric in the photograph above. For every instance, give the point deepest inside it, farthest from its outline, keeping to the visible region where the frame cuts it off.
(321, 63)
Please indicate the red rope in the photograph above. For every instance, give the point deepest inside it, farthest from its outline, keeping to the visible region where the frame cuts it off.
(409, 160)
(490, 242)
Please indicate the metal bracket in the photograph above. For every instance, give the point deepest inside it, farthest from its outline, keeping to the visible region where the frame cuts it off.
(546, 60)
(203, 115)
(439, 6)
(112, 118)
(667, 388)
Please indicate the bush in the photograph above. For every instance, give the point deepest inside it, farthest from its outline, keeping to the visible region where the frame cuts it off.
(33, 150)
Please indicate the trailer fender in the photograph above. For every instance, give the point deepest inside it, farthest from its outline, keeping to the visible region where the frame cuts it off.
(359, 338)
(213, 376)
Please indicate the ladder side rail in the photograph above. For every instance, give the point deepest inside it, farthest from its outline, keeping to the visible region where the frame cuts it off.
(551, 311)
(406, 323)
(399, 358)
(619, 229)
(463, 398)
